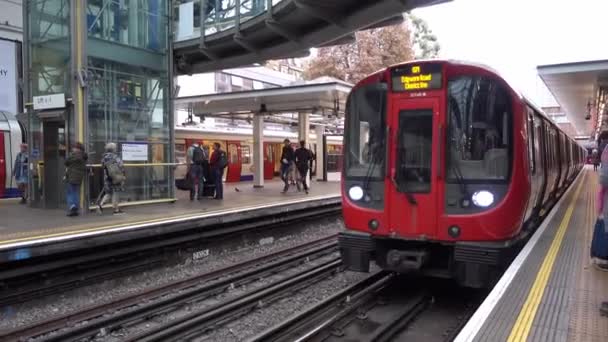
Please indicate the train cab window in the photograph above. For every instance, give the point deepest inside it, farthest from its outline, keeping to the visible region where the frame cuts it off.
(414, 150)
(365, 132)
(479, 129)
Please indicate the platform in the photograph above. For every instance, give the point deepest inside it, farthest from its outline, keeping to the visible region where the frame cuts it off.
(24, 227)
(552, 291)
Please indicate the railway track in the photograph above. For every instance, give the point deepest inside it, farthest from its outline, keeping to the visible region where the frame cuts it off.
(28, 280)
(382, 307)
(286, 271)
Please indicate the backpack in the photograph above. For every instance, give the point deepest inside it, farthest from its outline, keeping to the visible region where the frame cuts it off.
(222, 160)
(115, 172)
(198, 155)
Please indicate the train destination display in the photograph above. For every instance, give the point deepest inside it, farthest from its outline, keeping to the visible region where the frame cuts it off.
(416, 77)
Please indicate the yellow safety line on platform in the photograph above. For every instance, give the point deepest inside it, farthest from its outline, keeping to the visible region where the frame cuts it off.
(523, 324)
(144, 222)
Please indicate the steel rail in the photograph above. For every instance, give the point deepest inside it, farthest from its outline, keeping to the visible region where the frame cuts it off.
(245, 269)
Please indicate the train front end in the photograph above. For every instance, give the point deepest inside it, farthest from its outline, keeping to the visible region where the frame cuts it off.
(434, 177)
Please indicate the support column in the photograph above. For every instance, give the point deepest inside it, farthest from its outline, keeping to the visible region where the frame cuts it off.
(319, 132)
(258, 151)
(303, 127)
(78, 127)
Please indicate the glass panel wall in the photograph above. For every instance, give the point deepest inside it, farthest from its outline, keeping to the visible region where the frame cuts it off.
(128, 104)
(47, 45)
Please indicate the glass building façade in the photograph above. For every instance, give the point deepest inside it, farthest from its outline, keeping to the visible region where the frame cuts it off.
(98, 71)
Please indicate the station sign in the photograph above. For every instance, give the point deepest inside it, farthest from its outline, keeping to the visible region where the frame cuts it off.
(416, 77)
(51, 101)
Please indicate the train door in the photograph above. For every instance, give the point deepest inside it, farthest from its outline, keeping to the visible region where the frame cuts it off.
(233, 172)
(413, 189)
(3, 163)
(268, 160)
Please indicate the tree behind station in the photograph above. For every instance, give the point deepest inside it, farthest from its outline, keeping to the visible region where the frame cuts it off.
(373, 50)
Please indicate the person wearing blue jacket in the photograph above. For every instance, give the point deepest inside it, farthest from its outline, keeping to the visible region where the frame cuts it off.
(20, 172)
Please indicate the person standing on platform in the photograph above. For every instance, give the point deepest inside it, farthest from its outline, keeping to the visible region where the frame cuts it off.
(303, 158)
(287, 159)
(75, 170)
(218, 162)
(114, 178)
(196, 158)
(20, 172)
(595, 159)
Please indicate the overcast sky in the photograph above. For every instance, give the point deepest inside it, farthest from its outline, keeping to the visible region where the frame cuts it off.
(514, 36)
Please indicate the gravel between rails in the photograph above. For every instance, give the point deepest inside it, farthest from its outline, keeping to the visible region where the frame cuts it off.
(266, 317)
(12, 317)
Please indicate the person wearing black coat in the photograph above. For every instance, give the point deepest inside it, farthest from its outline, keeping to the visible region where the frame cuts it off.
(288, 157)
(76, 169)
(303, 157)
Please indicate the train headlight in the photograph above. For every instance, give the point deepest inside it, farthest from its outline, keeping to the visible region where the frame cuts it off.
(483, 198)
(355, 193)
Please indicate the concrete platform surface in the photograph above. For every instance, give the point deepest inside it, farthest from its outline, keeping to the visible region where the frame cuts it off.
(20, 223)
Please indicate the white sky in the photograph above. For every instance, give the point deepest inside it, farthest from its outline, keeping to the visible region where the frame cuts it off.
(514, 36)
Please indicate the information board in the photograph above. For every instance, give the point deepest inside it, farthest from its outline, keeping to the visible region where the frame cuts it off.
(135, 152)
(415, 77)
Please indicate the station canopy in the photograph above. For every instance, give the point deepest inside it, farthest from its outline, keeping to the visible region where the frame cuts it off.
(581, 90)
(324, 99)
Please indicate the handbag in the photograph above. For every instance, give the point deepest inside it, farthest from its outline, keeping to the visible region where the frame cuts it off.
(185, 183)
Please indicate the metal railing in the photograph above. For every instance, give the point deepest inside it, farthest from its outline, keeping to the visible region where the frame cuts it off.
(215, 16)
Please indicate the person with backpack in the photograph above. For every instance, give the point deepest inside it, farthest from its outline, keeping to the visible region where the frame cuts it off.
(303, 158)
(75, 171)
(218, 162)
(197, 159)
(114, 178)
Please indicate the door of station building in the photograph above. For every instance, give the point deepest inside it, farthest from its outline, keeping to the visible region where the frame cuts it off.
(413, 190)
(54, 154)
(235, 164)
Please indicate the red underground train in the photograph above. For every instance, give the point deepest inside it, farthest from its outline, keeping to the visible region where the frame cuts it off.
(447, 171)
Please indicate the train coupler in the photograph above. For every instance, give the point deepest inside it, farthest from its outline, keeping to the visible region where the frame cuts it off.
(406, 260)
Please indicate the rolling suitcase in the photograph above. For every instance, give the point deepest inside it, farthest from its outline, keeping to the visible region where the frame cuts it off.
(599, 244)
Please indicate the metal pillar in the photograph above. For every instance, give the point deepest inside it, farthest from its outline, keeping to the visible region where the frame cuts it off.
(303, 126)
(258, 151)
(320, 152)
(79, 94)
(133, 16)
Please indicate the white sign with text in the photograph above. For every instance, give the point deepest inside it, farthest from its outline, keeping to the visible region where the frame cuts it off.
(49, 101)
(134, 152)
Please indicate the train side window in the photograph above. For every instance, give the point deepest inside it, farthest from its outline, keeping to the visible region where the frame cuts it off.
(246, 154)
(531, 138)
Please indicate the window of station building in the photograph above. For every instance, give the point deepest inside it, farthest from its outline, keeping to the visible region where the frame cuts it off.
(479, 126)
(245, 154)
(237, 82)
(222, 83)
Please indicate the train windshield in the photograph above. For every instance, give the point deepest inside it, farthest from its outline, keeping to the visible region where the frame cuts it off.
(479, 111)
(365, 132)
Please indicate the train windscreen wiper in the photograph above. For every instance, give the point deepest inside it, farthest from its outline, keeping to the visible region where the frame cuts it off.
(459, 178)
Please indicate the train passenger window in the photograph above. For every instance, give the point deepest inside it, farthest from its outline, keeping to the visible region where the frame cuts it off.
(531, 139)
(479, 129)
(365, 132)
(414, 150)
(246, 154)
